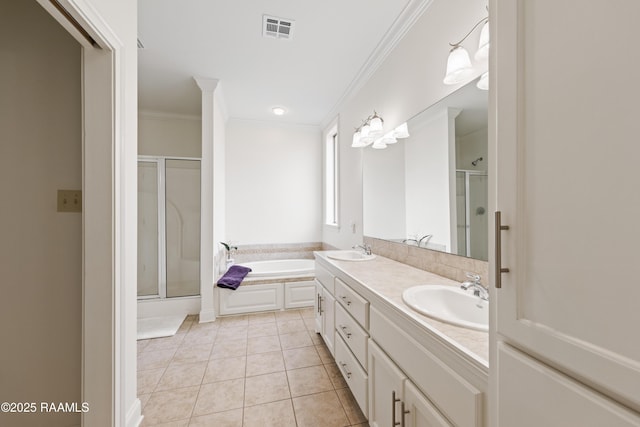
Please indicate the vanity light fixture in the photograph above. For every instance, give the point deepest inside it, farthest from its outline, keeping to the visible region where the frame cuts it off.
(278, 111)
(459, 67)
(372, 132)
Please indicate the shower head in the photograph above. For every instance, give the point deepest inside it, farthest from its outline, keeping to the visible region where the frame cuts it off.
(475, 162)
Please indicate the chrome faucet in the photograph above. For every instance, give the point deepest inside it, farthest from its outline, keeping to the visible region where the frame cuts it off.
(426, 238)
(365, 248)
(478, 289)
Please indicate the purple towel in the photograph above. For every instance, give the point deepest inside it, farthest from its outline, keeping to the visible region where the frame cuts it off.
(233, 277)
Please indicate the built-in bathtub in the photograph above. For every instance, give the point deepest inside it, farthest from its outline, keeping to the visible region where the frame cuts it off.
(280, 267)
(271, 285)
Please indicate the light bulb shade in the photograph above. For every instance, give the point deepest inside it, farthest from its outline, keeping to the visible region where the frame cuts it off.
(458, 66)
(379, 145)
(401, 131)
(483, 45)
(357, 143)
(375, 125)
(483, 83)
(388, 139)
(364, 131)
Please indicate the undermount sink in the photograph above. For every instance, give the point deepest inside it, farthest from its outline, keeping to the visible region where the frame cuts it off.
(350, 256)
(449, 304)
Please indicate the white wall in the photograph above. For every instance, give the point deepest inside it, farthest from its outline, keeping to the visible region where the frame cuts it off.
(40, 249)
(273, 183)
(471, 146)
(408, 81)
(167, 135)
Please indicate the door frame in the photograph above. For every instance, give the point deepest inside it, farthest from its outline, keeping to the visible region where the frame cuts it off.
(108, 217)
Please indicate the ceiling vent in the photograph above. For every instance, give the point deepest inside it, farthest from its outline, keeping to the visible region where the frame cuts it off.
(277, 28)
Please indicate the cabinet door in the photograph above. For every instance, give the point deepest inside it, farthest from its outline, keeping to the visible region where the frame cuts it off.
(328, 319)
(566, 149)
(418, 411)
(318, 307)
(551, 399)
(385, 389)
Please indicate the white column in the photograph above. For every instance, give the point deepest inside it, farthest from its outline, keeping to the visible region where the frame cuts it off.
(207, 307)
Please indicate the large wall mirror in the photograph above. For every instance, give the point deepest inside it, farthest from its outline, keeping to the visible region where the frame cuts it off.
(430, 189)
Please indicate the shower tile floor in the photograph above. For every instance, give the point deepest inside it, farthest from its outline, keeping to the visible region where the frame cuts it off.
(266, 370)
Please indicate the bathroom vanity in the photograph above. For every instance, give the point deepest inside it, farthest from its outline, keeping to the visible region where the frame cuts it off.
(401, 366)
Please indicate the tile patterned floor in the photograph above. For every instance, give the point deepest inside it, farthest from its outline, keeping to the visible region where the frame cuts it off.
(266, 370)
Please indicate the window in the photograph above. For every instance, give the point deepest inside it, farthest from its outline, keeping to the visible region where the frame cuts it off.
(331, 177)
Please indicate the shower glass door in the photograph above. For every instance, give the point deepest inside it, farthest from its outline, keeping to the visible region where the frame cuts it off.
(168, 227)
(471, 221)
(182, 213)
(148, 231)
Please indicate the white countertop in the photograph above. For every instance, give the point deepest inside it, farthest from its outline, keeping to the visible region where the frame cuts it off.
(387, 279)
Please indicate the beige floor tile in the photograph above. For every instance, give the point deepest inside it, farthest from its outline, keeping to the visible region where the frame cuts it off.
(310, 324)
(308, 313)
(263, 344)
(262, 329)
(301, 357)
(258, 318)
(266, 388)
(290, 326)
(190, 353)
(316, 339)
(221, 369)
(171, 405)
(231, 418)
(181, 423)
(324, 353)
(219, 397)
(227, 349)
(182, 375)
(264, 363)
(232, 333)
(335, 376)
(200, 336)
(154, 359)
(274, 414)
(309, 380)
(167, 343)
(141, 344)
(350, 406)
(207, 326)
(233, 321)
(295, 340)
(285, 315)
(148, 380)
(144, 398)
(319, 410)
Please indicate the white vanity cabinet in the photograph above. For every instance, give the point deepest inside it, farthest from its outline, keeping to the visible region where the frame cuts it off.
(325, 306)
(394, 399)
(569, 301)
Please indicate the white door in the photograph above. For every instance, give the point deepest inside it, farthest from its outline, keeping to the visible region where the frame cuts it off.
(418, 411)
(567, 154)
(385, 389)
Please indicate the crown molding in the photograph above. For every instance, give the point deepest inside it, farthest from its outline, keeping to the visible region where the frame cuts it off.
(403, 23)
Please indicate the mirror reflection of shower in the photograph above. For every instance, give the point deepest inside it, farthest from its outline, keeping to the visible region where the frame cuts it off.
(475, 162)
(472, 221)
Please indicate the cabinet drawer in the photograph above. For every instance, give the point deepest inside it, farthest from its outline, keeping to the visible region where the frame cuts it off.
(454, 396)
(353, 303)
(325, 277)
(355, 376)
(354, 336)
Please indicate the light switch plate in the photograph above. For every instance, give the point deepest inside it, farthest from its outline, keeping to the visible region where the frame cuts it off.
(69, 200)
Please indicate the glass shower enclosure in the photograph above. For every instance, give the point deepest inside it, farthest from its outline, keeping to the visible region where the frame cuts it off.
(471, 209)
(168, 227)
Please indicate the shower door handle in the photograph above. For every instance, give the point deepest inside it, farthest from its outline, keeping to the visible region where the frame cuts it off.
(498, 259)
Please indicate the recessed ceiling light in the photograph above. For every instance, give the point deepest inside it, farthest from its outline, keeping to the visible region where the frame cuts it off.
(278, 111)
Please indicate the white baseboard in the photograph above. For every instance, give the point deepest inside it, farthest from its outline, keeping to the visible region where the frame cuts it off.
(207, 316)
(134, 415)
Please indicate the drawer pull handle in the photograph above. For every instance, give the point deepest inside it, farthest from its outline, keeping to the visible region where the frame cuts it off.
(404, 413)
(347, 333)
(346, 371)
(394, 400)
(344, 298)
